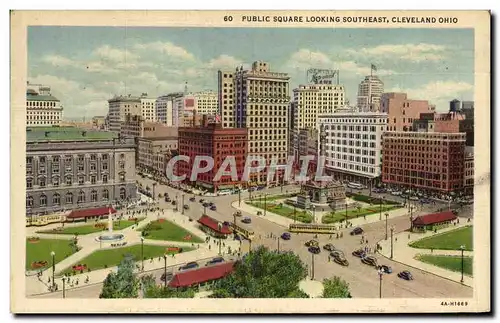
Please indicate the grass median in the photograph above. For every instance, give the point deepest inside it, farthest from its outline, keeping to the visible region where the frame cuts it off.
(281, 209)
(453, 263)
(168, 231)
(451, 240)
(340, 215)
(38, 252)
(92, 228)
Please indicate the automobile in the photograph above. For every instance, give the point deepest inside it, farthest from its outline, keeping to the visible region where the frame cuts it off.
(206, 204)
(211, 203)
(341, 260)
(174, 203)
(189, 265)
(396, 193)
(246, 220)
(337, 253)
(169, 276)
(389, 190)
(202, 201)
(186, 207)
(213, 208)
(404, 196)
(406, 275)
(215, 261)
(414, 198)
(425, 201)
(312, 243)
(286, 236)
(379, 190)
(359, 253)
(386, 269)
(328, 247)
(237, 213)
(356, 231)
(192, 199)
(314, 249)
(369, 260)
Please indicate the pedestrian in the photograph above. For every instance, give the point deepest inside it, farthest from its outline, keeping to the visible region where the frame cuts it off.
(328, 258)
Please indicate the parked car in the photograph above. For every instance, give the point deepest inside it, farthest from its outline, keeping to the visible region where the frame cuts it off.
(386, 269)
(337, 253)
(246, 220)
(192, 199)
(356, 231)
(214, 261)
(205, 204)
(213, 208)
(312, 243)
(328, 247)
(314, 249)
(286, 236)
(169, 276)
(340, 259)
(406, 275)
(189, 265)
(425, 201)
(186, 207)
(369, 260)
(359, 253)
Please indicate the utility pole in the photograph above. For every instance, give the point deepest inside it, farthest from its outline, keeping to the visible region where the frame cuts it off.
(265, 204)
(239, 197)
(392, 241)
(182, 204)
(386, 217)
(165, 270)
(312, 266)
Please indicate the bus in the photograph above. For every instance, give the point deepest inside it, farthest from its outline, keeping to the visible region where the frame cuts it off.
(356, 186)
(312, 228)
(241, 231)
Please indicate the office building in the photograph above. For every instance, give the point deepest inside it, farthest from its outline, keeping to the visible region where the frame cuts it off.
(99, 122)
(148, 107)
(120, 107)
(469, 170)
(206, 103)
(165, 108)
(369, 93)
(42, 108)
(402, 111)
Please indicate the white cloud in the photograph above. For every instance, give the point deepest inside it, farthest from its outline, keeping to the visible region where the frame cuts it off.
(166, 48)
(409, 52)
(57, 60)
(224, 62)
(108, 53)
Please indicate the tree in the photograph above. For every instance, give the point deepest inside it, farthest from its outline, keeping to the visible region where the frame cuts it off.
(122, 284)
(336, 288)
(263, 274)
(151, 290)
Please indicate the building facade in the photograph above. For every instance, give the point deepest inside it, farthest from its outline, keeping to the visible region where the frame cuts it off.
(135, 126)
(226, 93)
(469, 171)
(402, 111)
(353, 145)
(148, 108)
(207, 102)
(99, 122)
(426, 161)
(153, 153)
(121, 106)
(369, 92)
(165, 108)
(70, 168)
(42, 108)
(211, 139)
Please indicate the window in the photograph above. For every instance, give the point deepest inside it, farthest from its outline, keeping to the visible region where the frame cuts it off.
(93, 167)
(81, 180)
(121, 164)
(122, 177)
(105, 195)
(92, 179)
(29, 160)
(69, 198)
(81, 197)
(93, 157)
(41, 181)
(93, 196)
(56, 199)
(104, 179)
(104, 166)
(29, 183)
(80, 158)
(29, 201)
(105, 157)
(42, 160)
(55, 181)
(68, 180)
(43, 200)
(123, 193)
(81, 167)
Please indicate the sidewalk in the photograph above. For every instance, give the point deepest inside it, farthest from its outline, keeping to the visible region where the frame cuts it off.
(405, 254)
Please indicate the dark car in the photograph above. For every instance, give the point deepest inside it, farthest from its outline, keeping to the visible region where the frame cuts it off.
(213, 208)
(205, 204)
(340, 259)
(174, 202)
(211, 203)
(328, 247)
(189, 265)
(369, 260)
(214, 261)
(202, 201)
(315, 250)
(246, 220)
(192, 199)
(286, 236)
(186, 207)
(359, 253)
(356, 231)
(337, 253)
(169, 276)
(406, 275)
(385, 269)
(312, 243)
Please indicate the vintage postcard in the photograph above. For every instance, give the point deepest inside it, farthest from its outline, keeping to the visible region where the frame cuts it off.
(306, 162)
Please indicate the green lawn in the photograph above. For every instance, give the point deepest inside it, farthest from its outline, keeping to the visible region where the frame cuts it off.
(40, 251)
(371, 200)
(112, 257)
(255, 197)
(91, 228)
(284, 211)
(339, 215)
(168, 231)
(451, 240)
(453, 263)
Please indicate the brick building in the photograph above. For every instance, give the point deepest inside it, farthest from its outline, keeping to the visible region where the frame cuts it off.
(402, 111)
(210, 139)
(469, 170)
(425, 161)
(155, 152)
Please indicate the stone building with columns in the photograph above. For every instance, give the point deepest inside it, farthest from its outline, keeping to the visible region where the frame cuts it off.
(69, 168)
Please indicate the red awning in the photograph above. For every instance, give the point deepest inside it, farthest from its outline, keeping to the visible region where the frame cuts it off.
(434, 218)
(78, 214)
(202, 275)
(213, 224)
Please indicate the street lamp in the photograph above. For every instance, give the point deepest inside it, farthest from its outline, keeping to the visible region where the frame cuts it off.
(219, 226)
(380, 274)
(53, 254)
(182, 204)
(204, 209)
(294, 214)
(239, 197)
(380, 202)
(386, 218)
(249, 245)
(154, 196)
(165, 269)
(278, 244)
(265, 204)
(314, 212)
(462, 248)
(64, 286)
(142, 253)
(392, 241)
(312, 266)
(346, 214)
(177, 202)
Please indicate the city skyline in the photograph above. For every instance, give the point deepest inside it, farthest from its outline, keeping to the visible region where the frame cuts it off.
(86, 66)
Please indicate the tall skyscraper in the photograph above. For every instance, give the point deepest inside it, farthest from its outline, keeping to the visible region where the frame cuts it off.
(369, 92)
(257, 99)
(42, 109)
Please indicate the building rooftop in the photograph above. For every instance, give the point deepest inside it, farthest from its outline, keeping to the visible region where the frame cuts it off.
(435, 218)
(42, 134)
(33, 96)
(202, 275)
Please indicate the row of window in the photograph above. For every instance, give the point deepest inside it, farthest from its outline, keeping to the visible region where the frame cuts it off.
(42, 104)
(68, 180)
(69, 199)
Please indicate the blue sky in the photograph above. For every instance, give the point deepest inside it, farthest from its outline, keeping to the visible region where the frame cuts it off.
(85, 66)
